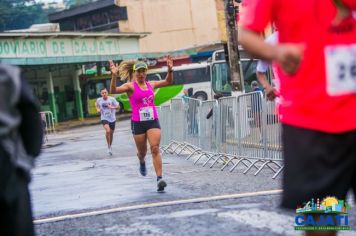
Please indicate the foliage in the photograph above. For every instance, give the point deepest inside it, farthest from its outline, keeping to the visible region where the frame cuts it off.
(21, 14)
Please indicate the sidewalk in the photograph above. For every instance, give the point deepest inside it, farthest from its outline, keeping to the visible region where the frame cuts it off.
(66, 125)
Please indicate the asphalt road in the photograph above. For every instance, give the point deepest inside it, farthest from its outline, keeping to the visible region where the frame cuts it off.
(77, 189)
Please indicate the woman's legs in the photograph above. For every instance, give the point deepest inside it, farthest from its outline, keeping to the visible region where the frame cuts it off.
(107, 134)
(111, 136)
(141, 145)
(154, 138)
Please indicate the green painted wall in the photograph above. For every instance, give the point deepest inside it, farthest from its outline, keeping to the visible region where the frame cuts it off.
(79, 105)
(52, 104)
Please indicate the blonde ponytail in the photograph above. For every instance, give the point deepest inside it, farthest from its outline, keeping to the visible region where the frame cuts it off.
(126, 70)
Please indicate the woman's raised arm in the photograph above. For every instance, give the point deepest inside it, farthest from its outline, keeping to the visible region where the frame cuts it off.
(169, 78)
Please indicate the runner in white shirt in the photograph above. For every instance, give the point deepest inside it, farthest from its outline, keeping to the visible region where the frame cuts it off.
(107, 106)
(262, 67)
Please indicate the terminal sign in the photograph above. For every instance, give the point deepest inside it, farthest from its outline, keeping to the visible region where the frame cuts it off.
(64, 47)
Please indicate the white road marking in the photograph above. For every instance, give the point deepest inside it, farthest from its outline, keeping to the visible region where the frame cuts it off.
(257, 218)
(179, 214)
(157, 204)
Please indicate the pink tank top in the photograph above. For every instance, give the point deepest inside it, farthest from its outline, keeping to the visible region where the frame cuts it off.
(142, 103)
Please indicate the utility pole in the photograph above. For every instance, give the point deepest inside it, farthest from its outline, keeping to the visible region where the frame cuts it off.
(232, 44)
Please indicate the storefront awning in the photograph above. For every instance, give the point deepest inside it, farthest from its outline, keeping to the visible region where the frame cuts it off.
(22, 48)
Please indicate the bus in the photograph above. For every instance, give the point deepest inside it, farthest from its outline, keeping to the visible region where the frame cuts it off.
(220, 75)
(221, 84)
(194, 78)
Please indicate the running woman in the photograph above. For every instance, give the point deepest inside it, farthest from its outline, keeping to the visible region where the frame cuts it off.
(144, 122)
(107, 106)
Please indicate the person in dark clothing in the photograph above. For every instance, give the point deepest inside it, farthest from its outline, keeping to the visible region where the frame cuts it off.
(20, 142)
(256, 106)
(216, 97)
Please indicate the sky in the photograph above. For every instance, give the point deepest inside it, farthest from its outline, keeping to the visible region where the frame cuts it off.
(47, 1)
(59, 2)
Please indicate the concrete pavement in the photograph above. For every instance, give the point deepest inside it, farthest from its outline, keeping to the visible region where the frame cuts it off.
(78, 177)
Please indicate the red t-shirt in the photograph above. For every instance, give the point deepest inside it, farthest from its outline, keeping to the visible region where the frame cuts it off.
(317, 97)
(350, 3)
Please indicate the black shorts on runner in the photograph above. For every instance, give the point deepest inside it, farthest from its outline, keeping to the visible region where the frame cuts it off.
(141, 127)
(111, 124)
(317, 165)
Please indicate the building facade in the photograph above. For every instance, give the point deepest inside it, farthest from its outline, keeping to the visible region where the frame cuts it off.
(99, 16)
(174, 25)
(55, 62)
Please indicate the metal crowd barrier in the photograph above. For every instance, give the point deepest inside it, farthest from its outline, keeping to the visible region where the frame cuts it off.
(208, 128)
(192, 120)
(164, 114)
(232, 131)
(181, 119)
(48, 121)
(258, 140)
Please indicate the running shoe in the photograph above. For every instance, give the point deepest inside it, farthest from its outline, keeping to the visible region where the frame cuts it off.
(143, 169)
(161, 184)
(110, 151)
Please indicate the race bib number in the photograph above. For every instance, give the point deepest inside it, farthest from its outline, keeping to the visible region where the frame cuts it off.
(146, 113)
(107, 114)
(340, 69)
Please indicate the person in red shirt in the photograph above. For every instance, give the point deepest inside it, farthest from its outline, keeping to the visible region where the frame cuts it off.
(316, 63)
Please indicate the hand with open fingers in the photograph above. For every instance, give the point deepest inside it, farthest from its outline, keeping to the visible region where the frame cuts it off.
(113, 68)
(289, 57)
(169, 63)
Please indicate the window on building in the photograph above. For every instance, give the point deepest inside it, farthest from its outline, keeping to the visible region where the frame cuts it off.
(191, 76)
(69, 93)
(154, 77)
(94, 89)
(40, 91)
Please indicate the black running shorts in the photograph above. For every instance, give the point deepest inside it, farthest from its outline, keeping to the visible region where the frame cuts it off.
(317, 165)
(141, 127)
(111, 124)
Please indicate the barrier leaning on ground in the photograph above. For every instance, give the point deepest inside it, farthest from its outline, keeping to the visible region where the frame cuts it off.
(243, 130)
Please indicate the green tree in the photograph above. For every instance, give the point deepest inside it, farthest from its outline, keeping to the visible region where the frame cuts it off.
(21, 14)
(43, 17)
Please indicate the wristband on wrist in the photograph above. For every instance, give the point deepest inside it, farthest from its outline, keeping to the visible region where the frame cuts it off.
(170, 71)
